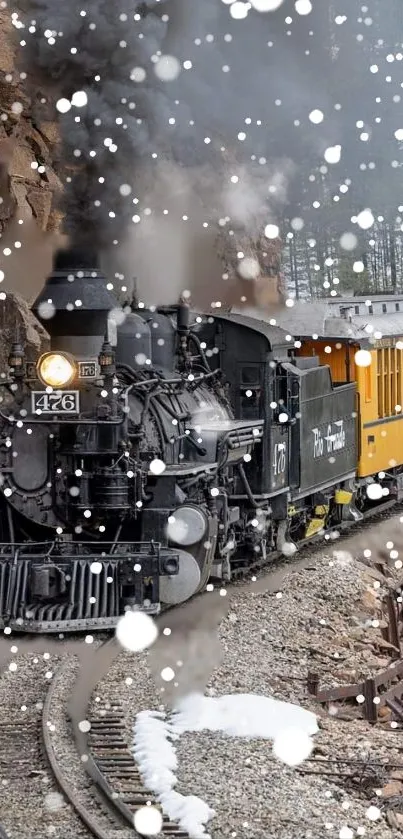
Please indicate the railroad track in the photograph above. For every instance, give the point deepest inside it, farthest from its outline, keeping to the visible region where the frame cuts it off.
(116, 790)
(116, 769)
(99, 815)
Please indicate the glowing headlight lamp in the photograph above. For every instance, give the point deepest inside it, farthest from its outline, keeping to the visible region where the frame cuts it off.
(56, 369)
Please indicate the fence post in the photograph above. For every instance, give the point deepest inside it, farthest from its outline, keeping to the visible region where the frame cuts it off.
(313, 683)
(370, 708)
(393, 633)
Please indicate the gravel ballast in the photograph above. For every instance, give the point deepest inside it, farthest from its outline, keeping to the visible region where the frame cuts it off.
(321, 620)
(324, 617)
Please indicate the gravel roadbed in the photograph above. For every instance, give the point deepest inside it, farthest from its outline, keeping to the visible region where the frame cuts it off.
(31, 806)
(326, 619)
(321, 620)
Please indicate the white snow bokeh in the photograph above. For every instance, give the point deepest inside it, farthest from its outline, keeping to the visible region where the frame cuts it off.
(157, 466)
(79, 99)
(373, 813)
(167, 68)
(249, 268)
(63, 105)
(292, 746)
(363, 358)
(333, 154)
(266, 5)
(239, 10)
(316, 116)
(348, 241)
(271, 231)
(374, 491)
(136, 631)
(303, 7)
(148, 821)
(177, 530)
(365, 219)
(46, 309)
(239, 715)
(96, 567)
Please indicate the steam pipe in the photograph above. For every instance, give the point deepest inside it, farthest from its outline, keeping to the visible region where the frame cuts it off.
(246, 484)
(180, 417)
(10, 524)
(196, 340)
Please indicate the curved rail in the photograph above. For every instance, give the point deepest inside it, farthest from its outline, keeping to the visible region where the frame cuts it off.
(112, 766)
(90, 821)
(108, 759)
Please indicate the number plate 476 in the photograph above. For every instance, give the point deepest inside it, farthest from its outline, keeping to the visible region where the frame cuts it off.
(59, 402)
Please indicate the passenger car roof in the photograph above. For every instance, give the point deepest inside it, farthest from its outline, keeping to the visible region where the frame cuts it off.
(275, 335)
(317, 317)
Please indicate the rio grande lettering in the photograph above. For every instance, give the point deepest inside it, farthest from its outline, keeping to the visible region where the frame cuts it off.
(333, 441)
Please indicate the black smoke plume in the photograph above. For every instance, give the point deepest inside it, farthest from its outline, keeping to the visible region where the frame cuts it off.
(109, 51)
(258, 78)
(94, 48)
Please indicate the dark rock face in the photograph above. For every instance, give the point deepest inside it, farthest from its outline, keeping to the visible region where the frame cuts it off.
(18, 322)
(28, 139)
(30, 178)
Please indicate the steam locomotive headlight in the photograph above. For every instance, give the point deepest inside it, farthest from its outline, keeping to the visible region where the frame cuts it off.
(186, 526)
(56, 369)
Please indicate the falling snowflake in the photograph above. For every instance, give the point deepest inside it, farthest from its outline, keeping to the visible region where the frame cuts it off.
(136, 631)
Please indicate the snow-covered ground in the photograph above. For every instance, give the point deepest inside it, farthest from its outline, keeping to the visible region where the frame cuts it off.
(240, 715)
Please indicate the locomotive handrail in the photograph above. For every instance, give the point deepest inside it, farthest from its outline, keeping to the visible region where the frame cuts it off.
(24, 550)
(160, 378)
(59, 420)
(80, 542)
(180, 380)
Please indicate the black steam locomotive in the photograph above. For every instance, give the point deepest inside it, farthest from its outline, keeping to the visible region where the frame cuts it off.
(150, 450)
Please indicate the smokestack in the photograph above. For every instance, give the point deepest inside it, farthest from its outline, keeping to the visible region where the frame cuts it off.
(73, 306)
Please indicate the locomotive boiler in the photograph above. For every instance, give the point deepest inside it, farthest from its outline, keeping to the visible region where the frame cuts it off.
(117, 448)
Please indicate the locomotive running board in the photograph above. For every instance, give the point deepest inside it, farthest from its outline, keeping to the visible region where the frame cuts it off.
(79, 625)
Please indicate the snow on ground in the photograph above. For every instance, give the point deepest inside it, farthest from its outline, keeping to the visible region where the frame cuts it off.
(239, 715)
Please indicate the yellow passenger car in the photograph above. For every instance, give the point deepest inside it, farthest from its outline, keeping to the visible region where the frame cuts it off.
(380, 400)
(379, 395)
(335, 330)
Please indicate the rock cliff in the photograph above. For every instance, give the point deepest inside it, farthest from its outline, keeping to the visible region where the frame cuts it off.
(28, 145)
(28, 221)
(31, 176)
(18, 323)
